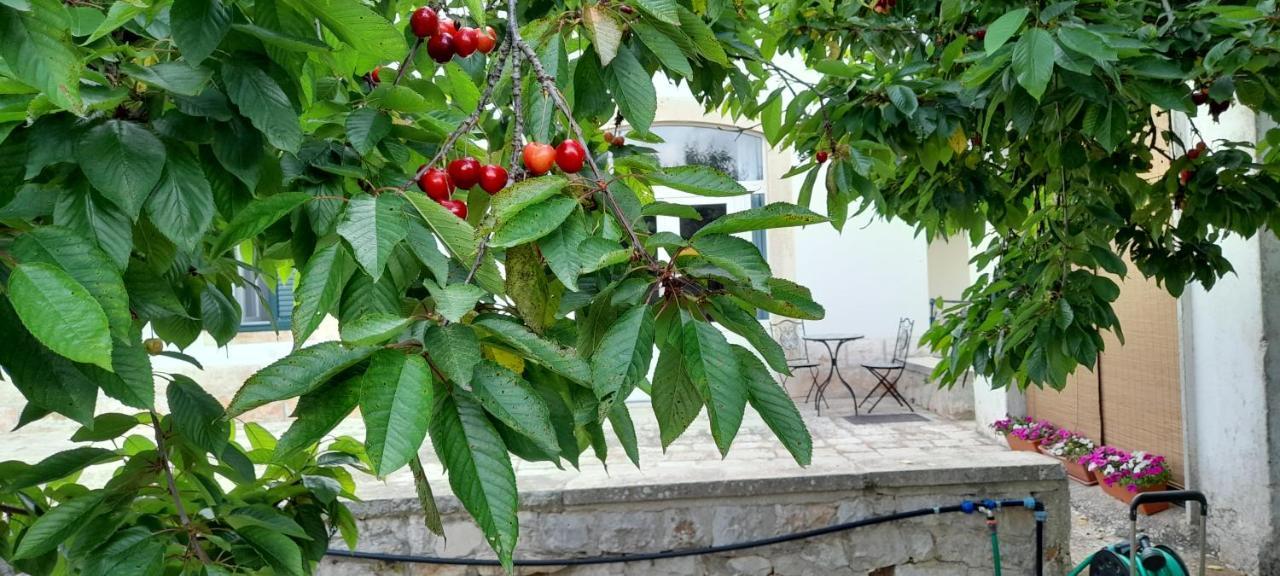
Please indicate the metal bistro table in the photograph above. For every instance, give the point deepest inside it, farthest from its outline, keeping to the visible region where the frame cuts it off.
(840, 339)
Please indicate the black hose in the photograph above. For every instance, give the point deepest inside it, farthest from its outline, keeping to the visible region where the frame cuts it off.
(1040, 516)
(967, 507)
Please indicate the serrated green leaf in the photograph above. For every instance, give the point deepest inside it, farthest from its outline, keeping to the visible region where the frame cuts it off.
(296, 374)
(903, 98)
(178, 77)
(358, 26)
(662, 46)
(699, 180)
(256, 217)
(480, 470)
(260, 99)
(319, 290)
(60, 313)
(743, 323)
(455, 350)
(774, 405)
(57, 525)
(395, 401)
(181, 205)
(632, 89)
(317, 414)
(105, 427)
(455, 300)
(123, 160)
(366, 127)
(605, 31)
(36, 46)
(560, 360)
(134, 550)
(84, 262)
(534, 222)
(44, 378)
(58, 466)
(775, 215)
(714, 371)
(560, 249)
(512, 200)
(1033, 57)
(375, 328)
(196, 415)
(734, 255)
(279, 551)
(373, 226)
(281, 39)
(783, 297)
(676, 402)
(511, 400)
(459, 237)
(198, 27)
(267, 517)
(622, 357)
(1002, 29)
(703, 37)
(665, 10)
(1087, 43)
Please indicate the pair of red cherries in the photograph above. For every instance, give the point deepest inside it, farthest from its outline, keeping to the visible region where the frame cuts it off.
(465, 173)
(446, 39)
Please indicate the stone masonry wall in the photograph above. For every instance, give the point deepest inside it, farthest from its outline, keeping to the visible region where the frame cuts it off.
(609, 521)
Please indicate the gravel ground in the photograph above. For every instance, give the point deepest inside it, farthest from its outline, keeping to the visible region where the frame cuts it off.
(1098, 520)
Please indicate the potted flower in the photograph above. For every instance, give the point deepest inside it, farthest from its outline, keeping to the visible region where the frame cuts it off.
(1070, 448)
(1024, 434)
(1124, 475)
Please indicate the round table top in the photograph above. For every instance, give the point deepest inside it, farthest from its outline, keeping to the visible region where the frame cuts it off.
(833, 336)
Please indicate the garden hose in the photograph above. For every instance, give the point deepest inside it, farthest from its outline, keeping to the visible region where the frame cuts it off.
(992, 523)
(967, 507)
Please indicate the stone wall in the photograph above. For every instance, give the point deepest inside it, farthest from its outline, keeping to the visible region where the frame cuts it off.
(608, 521)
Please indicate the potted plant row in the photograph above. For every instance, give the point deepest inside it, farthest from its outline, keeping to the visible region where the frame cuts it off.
(1070, 448)
(1124, 475)
(1024, 434)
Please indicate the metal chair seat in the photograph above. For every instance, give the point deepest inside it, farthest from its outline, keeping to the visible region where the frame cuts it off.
(885, 366)
(888, 373)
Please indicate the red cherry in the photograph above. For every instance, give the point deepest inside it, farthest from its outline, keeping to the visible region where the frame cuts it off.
(466, 42)
(373, 76)
(441, 47)
(493, 178)
(821, 156)
(1201, 146)
(1193, 153)
(570, 155)
(488, 40)
(465, 172)
(437, 184)
(538, 158)
(1200, 97)
(458, 207)
(1185, 176)
(447, 25)
(424, 22)
(980, 34)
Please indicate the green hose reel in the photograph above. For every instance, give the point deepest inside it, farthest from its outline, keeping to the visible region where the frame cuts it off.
(1138, 557)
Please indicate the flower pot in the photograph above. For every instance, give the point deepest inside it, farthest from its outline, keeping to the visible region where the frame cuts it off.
(1075, 470)
(1122, 493)
(1016, 443)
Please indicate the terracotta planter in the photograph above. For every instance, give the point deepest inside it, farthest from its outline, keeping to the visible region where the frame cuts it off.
(1075, 469)
(1124, 495)
(1016, 443)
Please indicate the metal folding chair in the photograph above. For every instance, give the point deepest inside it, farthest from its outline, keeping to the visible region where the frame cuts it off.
(887, 374)
(789, 334)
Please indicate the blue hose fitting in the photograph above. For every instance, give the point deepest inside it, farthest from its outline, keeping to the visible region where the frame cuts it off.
(968, 507)
(1029, 503)
(990, 504)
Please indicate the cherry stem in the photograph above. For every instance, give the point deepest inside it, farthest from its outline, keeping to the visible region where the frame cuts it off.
(408, 60)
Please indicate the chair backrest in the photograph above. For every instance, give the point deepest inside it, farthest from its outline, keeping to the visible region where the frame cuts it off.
(789, 334)
(903, 344)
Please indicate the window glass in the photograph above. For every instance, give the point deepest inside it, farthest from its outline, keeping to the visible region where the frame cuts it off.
(736, 153)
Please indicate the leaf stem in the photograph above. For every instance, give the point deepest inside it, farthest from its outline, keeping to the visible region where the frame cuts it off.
(193, 537)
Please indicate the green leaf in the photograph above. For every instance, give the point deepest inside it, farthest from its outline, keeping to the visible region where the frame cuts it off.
(105, 427)
(1003, 29)
(198, 26)
(317, 414)
(58, 466)
(743, 323)
(57, 525)
(700, 180)
(123, 160)
(662, 46)
(703, 37)
(774, 405)
(734, 255)
(622, 357)
(1033, 61)
(458, 236)
(676, 402)
(514, 199)
(178, 76)
(424, 247)
(784, 298)
(1086, 42)
(86, 264)
(36, 46)
(196, 415)
(259, 98)
(181, 206)
(319, 290)
(480, 470)
(134, 550)
(119, 14)
(220, 314)
(366, 127)
(515, 403)
(256, 217)
(374, 328)
(632, 88)
(534, 222)
(660, 208)
(265, 516)
(373, 226)
(45, 379)
(358, 26)
(665, 10)
(455, 350)
(455, 300)
(395, 401)
(775, 215)
(294, 375)
(605, 31)
(132, 383)
(282, 40)
(279, 551)
(625, 430)
(903, 98)
(562, 361)
(60, 313)
(560, 249)
(714, 371)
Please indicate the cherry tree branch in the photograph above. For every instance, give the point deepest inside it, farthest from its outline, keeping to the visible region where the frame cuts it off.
(408, 59)
(193, 540)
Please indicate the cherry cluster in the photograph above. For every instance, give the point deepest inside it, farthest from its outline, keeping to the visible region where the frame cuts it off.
(569, 155)
(464, 173)
(883, 6)
(445, 39)
(1193, 154)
